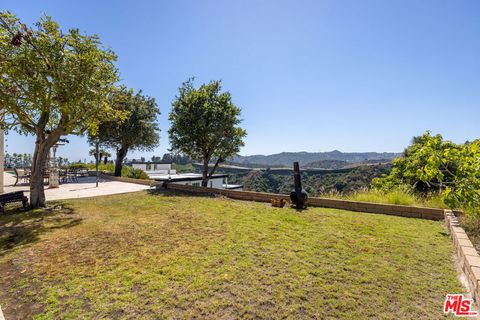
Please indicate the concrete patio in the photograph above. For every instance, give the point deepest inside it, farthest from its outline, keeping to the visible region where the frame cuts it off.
(85, 188)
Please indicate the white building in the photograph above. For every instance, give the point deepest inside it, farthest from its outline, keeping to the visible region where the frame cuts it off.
(162, 171)
(154, 167)
(219, 181)
(191, 179)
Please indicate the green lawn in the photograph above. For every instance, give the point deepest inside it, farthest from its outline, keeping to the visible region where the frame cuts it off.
(142, 256)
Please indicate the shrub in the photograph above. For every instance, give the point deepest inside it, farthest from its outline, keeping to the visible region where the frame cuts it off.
(401, 196)
(78, 165)
(109, 167)
(129, 172)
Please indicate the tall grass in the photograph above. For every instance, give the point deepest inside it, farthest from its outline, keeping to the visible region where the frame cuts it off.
(392, 197)
(397, 196)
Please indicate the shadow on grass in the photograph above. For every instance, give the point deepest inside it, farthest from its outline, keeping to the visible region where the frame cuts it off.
(177, 193)
(19, 227)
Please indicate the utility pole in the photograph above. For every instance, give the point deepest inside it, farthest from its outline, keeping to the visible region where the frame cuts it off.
(97, 159)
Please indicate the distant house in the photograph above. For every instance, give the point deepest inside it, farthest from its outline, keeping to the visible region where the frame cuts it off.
(154, 167)
(162, 171)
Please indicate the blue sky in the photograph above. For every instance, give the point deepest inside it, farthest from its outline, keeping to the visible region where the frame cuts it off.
(309, 75)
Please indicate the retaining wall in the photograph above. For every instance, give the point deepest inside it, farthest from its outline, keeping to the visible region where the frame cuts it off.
(397, 210)
(467, 255)
(144, 182)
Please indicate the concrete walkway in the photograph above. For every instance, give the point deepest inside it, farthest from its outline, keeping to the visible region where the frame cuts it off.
(85, 188)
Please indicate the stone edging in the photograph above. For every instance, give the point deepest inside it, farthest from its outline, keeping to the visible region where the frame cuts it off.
(468, 257)
(397, 210)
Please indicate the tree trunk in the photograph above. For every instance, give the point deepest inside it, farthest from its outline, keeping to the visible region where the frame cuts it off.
(205, 172)
(206, 176)
(121, 154)
(40, 156)
(105, 160)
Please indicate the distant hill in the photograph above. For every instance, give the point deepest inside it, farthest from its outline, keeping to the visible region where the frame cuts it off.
(287, 158)
(327, 164)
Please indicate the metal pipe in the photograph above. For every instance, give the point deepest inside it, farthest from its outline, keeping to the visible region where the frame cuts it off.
(96, 161)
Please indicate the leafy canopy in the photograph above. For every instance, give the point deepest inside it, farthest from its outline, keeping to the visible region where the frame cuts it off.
(139, 131)
(51, 81)
(421, 166)
(465, 191)
(431, 164)
(204, 123)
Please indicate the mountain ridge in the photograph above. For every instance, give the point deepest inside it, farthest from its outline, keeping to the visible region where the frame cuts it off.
(287, 158)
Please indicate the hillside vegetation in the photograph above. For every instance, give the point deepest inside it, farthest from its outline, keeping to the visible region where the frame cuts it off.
(327, 164)
(287, 158)
(315, 182)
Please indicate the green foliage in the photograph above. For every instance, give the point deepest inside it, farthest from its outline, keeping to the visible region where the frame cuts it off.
(139, 131)
(175, 158)
(102, 152)
(102, 167)
(109, 168)
(79, 165)
(315, 182)
(183, 167)
(52, 83)
(422, 166)
(205, 124)
(431, 165)
(465, 189)
(392, 197)
(400, 196)
(130, 172)
(17, 160)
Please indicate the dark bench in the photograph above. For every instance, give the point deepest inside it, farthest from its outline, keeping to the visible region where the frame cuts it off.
(12, 197)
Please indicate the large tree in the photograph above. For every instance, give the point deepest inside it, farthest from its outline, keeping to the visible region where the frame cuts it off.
(139, 131)
(205, 125)
(52, 83)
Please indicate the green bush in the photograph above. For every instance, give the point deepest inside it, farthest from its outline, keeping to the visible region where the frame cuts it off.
(106, 168)
(109, 167)
(129, 172)
(78, 165)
